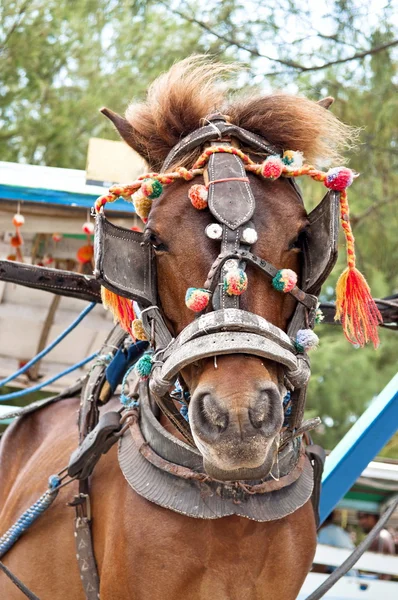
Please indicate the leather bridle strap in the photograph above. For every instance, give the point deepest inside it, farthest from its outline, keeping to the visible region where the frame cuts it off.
(308, 300)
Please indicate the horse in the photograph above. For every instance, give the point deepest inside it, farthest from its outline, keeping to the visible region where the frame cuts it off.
(144, 550)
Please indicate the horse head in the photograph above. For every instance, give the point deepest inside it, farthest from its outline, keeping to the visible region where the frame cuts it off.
(236, 407)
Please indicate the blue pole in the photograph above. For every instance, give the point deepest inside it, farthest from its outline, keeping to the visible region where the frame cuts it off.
(359, 446)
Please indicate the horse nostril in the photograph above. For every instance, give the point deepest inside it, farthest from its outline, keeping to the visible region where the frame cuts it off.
(259, 413)
(213, 413)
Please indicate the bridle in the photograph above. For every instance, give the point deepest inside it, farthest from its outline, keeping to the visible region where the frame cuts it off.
(221, 326)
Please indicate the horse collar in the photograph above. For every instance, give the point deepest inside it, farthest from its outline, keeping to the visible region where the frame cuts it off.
(168, 472)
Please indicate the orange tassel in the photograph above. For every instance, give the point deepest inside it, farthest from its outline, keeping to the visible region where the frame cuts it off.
(120, 307)
(355, 306)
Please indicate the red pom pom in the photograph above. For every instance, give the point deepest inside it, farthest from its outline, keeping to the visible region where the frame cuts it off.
(57, 237)
(339, 178)
(272, 167)
(198, 196)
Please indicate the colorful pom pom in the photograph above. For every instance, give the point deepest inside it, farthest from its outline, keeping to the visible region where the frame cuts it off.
(198, 196)
(18, 220)
(339, 178)
(151, 188)
(85, 254)
(88, 228)
(144, 366)
(306, 340)
(142, 205)
(235, 282)
(285, 280)
(214, 231)
(57, 237)
(197, 299)
(138, 331)
(249, 235)
(292, 160)
(272, 167)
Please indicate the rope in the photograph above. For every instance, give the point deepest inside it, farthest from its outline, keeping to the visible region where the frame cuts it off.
(50, 346)
(49, 381)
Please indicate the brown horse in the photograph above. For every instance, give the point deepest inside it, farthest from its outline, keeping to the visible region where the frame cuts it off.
(144, 551)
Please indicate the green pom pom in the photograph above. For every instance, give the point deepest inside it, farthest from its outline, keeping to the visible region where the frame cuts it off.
(151, 188)
(144, 366)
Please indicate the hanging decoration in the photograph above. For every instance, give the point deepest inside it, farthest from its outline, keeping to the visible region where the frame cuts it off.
(16, 240)
(355, 306)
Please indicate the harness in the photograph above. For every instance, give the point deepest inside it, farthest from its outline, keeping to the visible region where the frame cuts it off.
(125, 265)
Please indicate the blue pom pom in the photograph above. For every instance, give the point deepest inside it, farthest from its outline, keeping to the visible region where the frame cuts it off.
(144, 366)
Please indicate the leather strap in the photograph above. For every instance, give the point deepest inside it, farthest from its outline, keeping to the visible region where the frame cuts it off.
(85, 558)
(63, 283)
(217, 129)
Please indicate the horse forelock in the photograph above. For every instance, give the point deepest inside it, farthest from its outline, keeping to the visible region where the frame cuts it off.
(195, 87)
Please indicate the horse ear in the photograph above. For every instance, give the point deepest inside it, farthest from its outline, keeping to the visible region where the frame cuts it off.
(326, 102)
(125, 130)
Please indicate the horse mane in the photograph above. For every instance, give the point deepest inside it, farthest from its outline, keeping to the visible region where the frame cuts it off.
(195, 87)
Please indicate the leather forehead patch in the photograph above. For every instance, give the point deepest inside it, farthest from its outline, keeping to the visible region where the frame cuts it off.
(231, 202)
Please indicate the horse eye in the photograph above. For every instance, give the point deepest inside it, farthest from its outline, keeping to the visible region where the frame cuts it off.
(297, 242)
(155, 241)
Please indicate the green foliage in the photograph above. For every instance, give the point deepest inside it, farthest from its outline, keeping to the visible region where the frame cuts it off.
(60, 61)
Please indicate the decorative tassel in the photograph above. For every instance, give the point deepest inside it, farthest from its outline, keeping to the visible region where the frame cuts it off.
(355, 306)
(120, 307)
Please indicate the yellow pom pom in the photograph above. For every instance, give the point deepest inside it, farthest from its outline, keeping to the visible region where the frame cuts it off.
(142, 205)
(138, 330)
